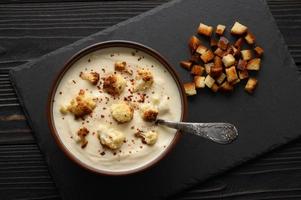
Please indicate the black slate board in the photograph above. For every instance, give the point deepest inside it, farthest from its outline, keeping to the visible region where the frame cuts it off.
(265, 120)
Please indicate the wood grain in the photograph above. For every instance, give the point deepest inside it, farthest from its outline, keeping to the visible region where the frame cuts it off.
(29, 29)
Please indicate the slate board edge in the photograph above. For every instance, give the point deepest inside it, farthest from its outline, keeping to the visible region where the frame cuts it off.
(136, 18)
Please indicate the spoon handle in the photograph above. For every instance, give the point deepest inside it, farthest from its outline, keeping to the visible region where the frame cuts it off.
(223, 133)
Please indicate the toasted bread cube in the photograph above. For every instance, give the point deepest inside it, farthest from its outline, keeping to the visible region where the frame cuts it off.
(197, 70)
(251, 85)
(207, 56)
(92, 77)
(218, 62)
(214, 87)
(193, 43)
(221, 78)
(120, 65)
(239, 42)
(205, 30)
(258, 51)
(209, 81)
(213, 42)
(219, 52)
(254, 64)
(216, 71)
(235, 51)
(223, 43)
(199, 81)
(235, 82)
(201, 49)
(220, 29)
(250, 38)
(195, 58)
(186, 64)
(208, 67)
(228, 60)
(226, 87)
(190, 89)
(238, 29)
(242, 64)
(243, 74)
(246, 54)
(231, 74)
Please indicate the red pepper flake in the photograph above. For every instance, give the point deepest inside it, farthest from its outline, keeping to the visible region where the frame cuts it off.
(104, 108)
(133, 53)
(103, 70)
(102, 116)
(141, 147)
(139, 58)
(89, 60)
(60, 93)
(130, 151)
(133, 127)
(114, 153)
(168, 98)
(63, 118)
(74, 81)
(103, 153)
(71, 137)
(124, 141)
(112, 55)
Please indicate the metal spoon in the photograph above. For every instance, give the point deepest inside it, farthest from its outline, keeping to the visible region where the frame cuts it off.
(222, 133)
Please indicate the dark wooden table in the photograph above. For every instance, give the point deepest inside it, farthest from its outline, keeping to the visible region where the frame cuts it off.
(29, 29)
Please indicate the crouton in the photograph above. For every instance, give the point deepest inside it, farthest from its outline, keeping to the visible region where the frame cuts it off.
(254, 64)
(186, 64)
(219, 52)
(82, 133)
(190, 89)
(111, 138)
(235, 82)
(144, 80)
(92, 77)
(201, 49)
(197, 70)
(250, 38)
(238, 29)
(235, 51)
(242, 64)
(213, 42)
(258, 51)
(122, 112)
(223, 43)
(226, 87)
(220, 29)
(214, 87)
(199, 81)
(120, 65)
(217, 69)
(149, 137)
(228, 60)
(246, 54)
(114, 84)
(205, 30)
(149, 112)
(239, 42)
(209, 81)
(243, 74)
(193, 43)
(208, 67)
(207, 56)
(231, 74)
(195, 58)
(221, 78)
(251, 85)
(82, 105)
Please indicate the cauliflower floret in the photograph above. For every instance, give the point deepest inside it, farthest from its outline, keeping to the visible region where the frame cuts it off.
(92, 77)
(111, 138)
(149, 112)
(149, 137)
(122, 112)
(144, 80)
(81, 106)
(114, 84)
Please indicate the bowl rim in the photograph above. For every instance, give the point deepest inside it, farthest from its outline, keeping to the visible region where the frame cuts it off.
(95, 47)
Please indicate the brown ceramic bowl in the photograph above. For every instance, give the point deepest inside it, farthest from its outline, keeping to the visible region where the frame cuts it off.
(88, 50)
